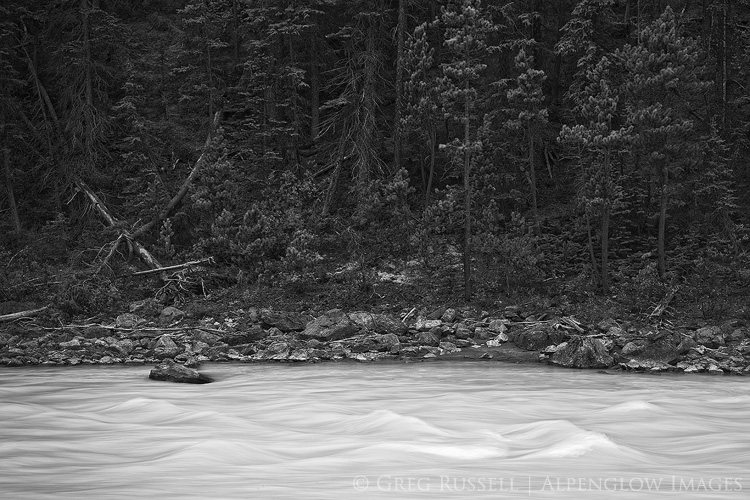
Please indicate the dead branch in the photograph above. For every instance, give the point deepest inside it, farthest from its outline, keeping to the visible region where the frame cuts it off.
(185, 185)
(207, 260)
(662, 306)
(22, 314)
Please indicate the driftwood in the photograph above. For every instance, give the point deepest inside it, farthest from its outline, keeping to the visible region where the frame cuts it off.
(22, 314)
(207, 260)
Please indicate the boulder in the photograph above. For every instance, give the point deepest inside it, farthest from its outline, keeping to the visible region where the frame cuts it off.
(333, 325)
(169, 315)
(449, 316)
(128, 320)
(170, 371)
(425, 325)
(284, 321)
(165, 347)
(538, 337)
(499, 325)
(665, 346)
(145, 307)
(582, 352)
(709, 336)
(253, 334)
(379, 323)
(428, 338)
(463, 331)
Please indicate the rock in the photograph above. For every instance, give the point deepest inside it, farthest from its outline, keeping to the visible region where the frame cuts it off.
(72, 344)
(379, 323)
(278, 351)
(124, 346)
(128, 320)
(464, 343)
(709, 336)
(449, 316)
(437, 313)
(633, 347)
(605, 324)
(170, 371)
(333, 325)
(482, 333)
(145, 307)
(582, 352)
(166, 348)
(284, 321)
(387, 340)
(170, 315)
(499, 325)
(428, 338)
(714, 370)
(409, 352)
(538, 337)
(425, 325)
(463, 331)
(448, 347)
(665, 346)
(253, 334)
(641, 365)
(498, 341)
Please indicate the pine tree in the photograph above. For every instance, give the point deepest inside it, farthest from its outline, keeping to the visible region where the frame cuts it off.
(466, 28)
(599, 141)
(662, 82)
(525, 103)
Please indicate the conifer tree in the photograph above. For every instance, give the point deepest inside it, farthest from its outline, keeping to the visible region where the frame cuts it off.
(599, 141)
(466, 27)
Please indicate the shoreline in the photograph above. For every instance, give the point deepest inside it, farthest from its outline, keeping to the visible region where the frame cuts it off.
(153, 334)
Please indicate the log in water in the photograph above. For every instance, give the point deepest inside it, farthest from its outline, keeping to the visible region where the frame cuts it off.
(328, 431)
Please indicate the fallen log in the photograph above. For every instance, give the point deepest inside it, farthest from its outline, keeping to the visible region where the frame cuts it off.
(185, 185)
(207, 260)
(22, 314)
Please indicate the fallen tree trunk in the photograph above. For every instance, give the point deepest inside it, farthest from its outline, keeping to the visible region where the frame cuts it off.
(207, 260)
(185, 185)
(22, 314)
(142, 253)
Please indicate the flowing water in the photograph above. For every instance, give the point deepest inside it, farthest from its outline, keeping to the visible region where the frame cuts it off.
(330, 431)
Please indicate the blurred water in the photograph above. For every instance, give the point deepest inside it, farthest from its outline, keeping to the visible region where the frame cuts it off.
(325, 431)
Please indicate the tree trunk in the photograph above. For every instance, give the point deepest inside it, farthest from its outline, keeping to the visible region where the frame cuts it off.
(663, 221)
(431, 176)
(401, 29)
(88, 77)
(532, 182)
(724, 59)
(314, 84)
(9, 187)
(594, 264)
(467, 194)
(605, 223)
(235, 34)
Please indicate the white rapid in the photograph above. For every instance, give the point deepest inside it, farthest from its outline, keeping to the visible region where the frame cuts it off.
(340, 431)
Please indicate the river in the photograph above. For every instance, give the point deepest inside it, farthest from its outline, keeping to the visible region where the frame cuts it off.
(330, 431)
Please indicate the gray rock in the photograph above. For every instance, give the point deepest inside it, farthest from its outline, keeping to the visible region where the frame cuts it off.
(448, 347)
(425, 325)
(170, 371)
(145, 307)
(333, 325)
(169, 315)
(428, 338)
(449, 316)
(379, 323)
(128, 320)
(482, 333)
(284, 321)
(582, 352)
(537, 338)
(464, 331)
(709, 336)
(253, 334)
(388, 340)
(499, 325)
(165, 347)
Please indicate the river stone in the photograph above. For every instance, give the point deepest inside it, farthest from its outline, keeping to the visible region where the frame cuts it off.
(72, 344)
(127, 320)
(582, 352)
(497, 341)
(284, 321)
(388, 340)
(448, 347)
(253, 334)
(428, 338)
(538, 337)
(449, 316)
(379, 323)
(331, 326)
(166, 348)
(709, 336)
(499, 325)
(170, 371)
(463, 331)
(169, 315)
(145, 307)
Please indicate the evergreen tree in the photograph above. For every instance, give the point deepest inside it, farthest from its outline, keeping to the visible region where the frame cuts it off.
(599, 142)
(466, 27)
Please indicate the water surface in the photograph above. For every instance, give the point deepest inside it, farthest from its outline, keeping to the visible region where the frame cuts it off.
(324, 431)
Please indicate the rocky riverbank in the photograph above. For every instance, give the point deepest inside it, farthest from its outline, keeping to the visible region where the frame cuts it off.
(151, 334)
